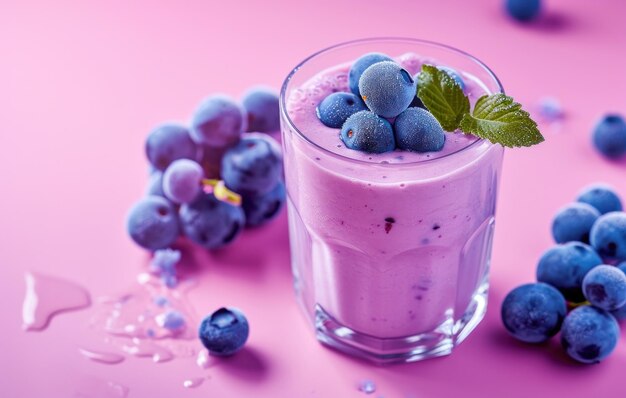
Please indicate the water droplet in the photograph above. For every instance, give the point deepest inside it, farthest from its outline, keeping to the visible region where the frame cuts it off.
(146, 349)
(193, 382)
(367, 386)
(47, 296)
(101, 356)
(118, 390)
(203, 359)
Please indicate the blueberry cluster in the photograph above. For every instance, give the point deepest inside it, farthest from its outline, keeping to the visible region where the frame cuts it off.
(609, 136)
(211, 179)
(585, 271)
(382, 112)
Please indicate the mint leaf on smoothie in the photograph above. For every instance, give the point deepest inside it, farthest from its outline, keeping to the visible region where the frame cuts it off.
(443, 96)
(501, 120)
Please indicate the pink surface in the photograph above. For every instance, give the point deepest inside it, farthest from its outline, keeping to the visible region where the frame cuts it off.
(81, 86)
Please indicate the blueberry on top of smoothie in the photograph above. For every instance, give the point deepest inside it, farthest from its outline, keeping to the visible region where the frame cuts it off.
(367, 132)
(359, 66)
(337, 107)
(417, 130)
(387, 89)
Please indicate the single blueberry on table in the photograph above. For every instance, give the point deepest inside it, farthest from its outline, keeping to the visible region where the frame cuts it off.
(608, 236)
(259, 209)
(387, 89)
(218, 122)
(167, 143)
(601, 196)
(211, 223)
(262, 110)
(367, 132)
(605, 287)
(533, 313)
(417, 130)
(573, 223)
(454, 75)
(359, 66)
(523, 10)
(253, 166)
(337, 107)
(224, 332)
(589, 334)
(182, 181)
(565, 266)
(609, 136)
(152, 223)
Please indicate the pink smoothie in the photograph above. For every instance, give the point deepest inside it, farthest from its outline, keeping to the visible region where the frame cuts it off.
(394, 244)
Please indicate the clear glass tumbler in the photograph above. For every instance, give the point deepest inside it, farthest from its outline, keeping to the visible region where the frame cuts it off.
(390, 260)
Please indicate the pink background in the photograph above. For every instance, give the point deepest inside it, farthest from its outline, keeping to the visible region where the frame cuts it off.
(81, 85)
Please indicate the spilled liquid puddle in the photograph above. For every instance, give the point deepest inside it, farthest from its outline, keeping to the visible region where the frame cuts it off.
(193, 382)
(149, 320)
(109, 358)
(47, 296)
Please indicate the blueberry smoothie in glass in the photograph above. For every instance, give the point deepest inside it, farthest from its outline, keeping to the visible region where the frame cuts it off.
(391, 219)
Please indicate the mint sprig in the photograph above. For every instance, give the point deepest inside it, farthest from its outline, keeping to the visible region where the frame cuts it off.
(496, 117)
(443, 97)
(501, 120)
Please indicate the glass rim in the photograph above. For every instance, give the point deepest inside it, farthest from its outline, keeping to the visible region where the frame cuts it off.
(283, 91)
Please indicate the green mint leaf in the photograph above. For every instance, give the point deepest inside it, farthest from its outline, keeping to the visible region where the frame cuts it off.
(443, 97)
(501, 120)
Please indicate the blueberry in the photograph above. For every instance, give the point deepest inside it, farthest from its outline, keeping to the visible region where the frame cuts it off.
(367, 132)
(261, 105)
(565, 266)
(605, 287)
(523, 10)
(261, 208)
(337, 107)
(359, 66)
(211, 223)
(182, 181)
(573, 223)
(387, 89)
(169, 142)
(152, 223)
(416, 102)
(155, 184)
(602, 197)
(609, 136)
(173, 321)
(533, 312)
(417, 130)
(224, 332)
(589, 334)
(253, 166)
(218, 122)
(454, 75)
(608, 235)
(620, 313)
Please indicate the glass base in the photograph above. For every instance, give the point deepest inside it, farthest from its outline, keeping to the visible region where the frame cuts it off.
(439, 342)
